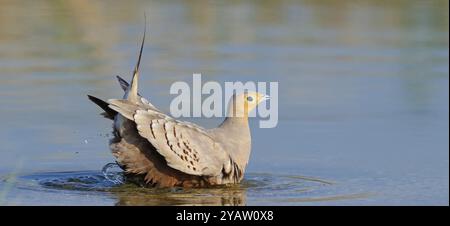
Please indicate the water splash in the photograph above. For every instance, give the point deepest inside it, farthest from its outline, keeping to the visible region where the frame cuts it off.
(113, 173)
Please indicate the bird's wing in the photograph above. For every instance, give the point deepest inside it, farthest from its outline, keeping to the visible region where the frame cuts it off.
(127, 108)
(185, 146)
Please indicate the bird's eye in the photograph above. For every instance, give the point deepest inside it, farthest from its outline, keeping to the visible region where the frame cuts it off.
(249, 99)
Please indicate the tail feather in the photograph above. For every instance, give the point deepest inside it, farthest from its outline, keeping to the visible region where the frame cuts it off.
(123, 83)
(109, 113)
(133, 89)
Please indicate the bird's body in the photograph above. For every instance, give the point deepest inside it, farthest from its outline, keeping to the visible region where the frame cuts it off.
(164, 152)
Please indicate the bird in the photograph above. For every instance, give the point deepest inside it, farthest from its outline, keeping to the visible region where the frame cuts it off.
(161, 151)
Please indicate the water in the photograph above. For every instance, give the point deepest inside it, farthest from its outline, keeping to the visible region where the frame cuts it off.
(255, 189)
(363, 97)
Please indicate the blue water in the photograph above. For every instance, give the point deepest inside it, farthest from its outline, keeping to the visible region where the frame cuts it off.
(363, 97)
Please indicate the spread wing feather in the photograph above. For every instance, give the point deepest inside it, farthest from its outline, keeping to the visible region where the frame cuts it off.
(185, 146)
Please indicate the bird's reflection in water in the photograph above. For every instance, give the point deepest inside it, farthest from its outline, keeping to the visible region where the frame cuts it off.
(221, 196)
(131, 191)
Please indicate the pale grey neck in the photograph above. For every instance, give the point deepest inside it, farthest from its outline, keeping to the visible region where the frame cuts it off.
(234, 122)
(235, 133)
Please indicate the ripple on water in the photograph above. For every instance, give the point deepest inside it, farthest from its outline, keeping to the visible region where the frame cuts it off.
(257, 188)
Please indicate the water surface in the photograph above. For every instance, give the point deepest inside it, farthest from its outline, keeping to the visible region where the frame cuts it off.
(363, 102)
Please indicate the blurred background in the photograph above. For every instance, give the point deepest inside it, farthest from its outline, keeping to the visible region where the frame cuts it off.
(363, 90)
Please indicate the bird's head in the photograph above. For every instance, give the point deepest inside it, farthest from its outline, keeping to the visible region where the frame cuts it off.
(243, 103)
